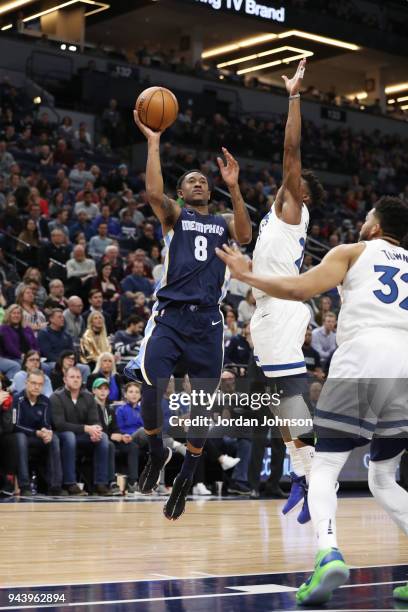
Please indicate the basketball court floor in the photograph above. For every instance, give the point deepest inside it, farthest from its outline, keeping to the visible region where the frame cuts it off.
(223, 555)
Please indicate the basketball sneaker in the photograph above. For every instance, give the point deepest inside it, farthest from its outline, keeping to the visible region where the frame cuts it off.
(176, 504)
(304, 514)
(150, 477)
(297, 492)
(330, 572)
(401, 593)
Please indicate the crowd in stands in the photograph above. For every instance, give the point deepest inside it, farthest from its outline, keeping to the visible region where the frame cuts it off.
(80, 256)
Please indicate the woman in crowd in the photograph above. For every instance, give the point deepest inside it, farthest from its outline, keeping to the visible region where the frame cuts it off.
(140, 308)
(95, 341)
(31, 361)
(57, 202)
(325, 306)
(29, 243)
(109, 287)
(16, 340)
(106, 368)
(66, 360)
(32, 277)
(66, 129)
(32, 315)
(230, 326)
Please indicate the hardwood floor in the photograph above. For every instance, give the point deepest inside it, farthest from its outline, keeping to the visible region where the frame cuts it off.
(74, 542)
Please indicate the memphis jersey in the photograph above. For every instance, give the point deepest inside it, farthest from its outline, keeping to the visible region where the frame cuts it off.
(375, 292)
(280, 247)
(193, 274)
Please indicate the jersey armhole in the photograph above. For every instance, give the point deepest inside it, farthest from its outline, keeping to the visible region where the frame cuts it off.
(357, 259)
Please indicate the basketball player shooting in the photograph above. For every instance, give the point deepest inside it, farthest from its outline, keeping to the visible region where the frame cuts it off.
(278, 326)
(186, 326)
(372, 335)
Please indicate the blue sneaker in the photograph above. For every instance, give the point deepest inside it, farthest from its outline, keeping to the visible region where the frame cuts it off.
(304, 514)
(297, 492)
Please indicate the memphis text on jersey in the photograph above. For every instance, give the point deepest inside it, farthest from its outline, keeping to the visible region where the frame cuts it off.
(203, 228)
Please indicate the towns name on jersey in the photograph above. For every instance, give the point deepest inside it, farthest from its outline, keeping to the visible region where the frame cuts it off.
(250, 7)
(203, 228)
(395, 255)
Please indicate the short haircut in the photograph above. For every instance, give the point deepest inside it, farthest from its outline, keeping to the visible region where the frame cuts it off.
(183, 176)
(133, 384)
(134, 318)
(36, 372)
(329, 313)
(55, 281)
(315, 187)
(54, 311)
(392, 214)
(94, 292)
(74, 367)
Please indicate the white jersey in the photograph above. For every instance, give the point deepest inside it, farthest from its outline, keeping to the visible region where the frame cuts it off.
(280, 247)
(375, 292)
(367, 386)
(278, 326)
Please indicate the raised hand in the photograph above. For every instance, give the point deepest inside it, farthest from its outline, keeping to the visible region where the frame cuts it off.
(146, 131)
(235, 260)
(293, 85)
(230, 171)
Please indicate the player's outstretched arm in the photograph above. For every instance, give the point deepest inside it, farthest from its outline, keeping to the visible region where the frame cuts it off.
(328, 274)
(239, 224)
(164, 207)
(289, 198)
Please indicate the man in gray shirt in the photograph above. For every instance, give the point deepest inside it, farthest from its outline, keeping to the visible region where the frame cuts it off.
(79, 175)
(87, 205)
(98, 244)
(74, 322)
(324, 337)
(79, 266)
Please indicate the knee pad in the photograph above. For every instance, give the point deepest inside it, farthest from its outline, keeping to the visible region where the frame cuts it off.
(381, 474)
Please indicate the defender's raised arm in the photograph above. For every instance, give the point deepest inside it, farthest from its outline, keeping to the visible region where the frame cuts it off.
(289, 199)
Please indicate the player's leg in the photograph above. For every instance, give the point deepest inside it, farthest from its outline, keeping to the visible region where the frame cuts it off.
(204, 355)
(278, 330)
(293, 406)
(385, 456)
(330, 569)
(160, 355)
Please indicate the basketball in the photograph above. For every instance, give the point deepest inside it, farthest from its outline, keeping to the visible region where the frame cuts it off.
(157, 108)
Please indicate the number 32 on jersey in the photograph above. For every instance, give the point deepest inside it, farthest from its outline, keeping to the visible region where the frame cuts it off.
(389, 278)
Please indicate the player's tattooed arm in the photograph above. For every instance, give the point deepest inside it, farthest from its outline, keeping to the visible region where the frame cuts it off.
(328, 274)
(239, 222)
(289, 197)
(164, 207)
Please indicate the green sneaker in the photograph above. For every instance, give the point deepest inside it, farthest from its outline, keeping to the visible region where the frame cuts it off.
(401, 593)
(330, 572)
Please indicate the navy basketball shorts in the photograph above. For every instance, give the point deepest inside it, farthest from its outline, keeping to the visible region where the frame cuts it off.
(188, 337)
(381, 447)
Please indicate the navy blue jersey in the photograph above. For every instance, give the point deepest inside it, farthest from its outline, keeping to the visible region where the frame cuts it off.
(193, 274)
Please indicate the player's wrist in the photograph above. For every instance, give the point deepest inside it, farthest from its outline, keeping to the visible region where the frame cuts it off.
(294, 96)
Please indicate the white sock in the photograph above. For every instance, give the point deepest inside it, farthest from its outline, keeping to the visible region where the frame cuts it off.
(296, 460)
(306, 454)
(322, 496)
(387, 492)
